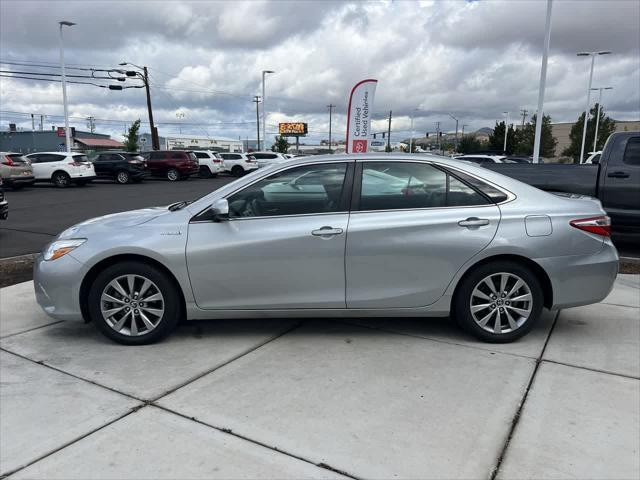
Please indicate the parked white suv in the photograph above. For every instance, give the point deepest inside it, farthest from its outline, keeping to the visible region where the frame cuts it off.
(238, 163)
(265, 159)
(210, 163)
(61, 168)
(480, 159)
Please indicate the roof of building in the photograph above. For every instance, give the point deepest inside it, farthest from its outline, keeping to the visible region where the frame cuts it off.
(99, 142)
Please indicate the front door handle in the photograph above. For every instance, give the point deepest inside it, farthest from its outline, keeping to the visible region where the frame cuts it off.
(474, 222)
(618, 175)
(326, 232)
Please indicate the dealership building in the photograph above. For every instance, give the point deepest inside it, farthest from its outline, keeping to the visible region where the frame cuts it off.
(54, 140)
(191, 142)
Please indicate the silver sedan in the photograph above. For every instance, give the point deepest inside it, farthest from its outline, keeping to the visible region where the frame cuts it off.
(337, 236)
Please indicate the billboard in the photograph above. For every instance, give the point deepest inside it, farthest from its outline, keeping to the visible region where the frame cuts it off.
(292, 128)
(359, 116)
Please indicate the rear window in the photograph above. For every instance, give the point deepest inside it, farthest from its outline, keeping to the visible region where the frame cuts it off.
(16, 157)
(201, 155)
(230, 156)
(80, 158)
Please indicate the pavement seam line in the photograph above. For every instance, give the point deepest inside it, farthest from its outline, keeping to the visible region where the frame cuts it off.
(28, 231)
(75, 440)
(224, 364)
(518, 414)
(229, 431)
(42, 363)
(31, 329)
(595, 370)
(431, 339)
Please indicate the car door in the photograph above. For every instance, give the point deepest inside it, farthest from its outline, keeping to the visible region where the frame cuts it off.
(157, 162)
(412, 226)
(49, 163)
(102, 165)
(620, 195)
(274, 252)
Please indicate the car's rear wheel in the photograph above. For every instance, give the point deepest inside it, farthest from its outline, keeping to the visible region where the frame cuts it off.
(123, 177)
(61, 179)
(499, 302)
(205, 172)
(173, 175)
(237, 171)
(134, 303)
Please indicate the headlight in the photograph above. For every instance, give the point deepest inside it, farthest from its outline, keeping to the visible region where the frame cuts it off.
(60, 248)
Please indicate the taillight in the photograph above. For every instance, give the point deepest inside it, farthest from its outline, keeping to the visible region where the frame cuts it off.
(215, 160)
(599, 225)
(251, 159)
(8, 161)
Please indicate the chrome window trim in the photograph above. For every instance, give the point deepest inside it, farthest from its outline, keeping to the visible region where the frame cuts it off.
(237, 219)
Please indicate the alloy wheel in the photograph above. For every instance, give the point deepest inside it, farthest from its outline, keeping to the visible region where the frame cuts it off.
(123, 177)
(172, 175)
(61, 179)
(501, 303)
(132, 305)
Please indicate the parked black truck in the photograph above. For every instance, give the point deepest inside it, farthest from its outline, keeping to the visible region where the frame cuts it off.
(615, 179)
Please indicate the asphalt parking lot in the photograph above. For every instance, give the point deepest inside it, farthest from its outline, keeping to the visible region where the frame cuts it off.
(371, 398)
(41, 212)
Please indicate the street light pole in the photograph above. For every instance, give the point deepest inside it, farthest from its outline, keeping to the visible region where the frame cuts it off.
(67, 132)
(543, 82)
(331, 106)
(595, 137)
(586, 111)
(411, 138)
(264, 111)
(506, 132)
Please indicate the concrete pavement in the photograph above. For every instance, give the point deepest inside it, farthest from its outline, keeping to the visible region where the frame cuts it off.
(383, 398)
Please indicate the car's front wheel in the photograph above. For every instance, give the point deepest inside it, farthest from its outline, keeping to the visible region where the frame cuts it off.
(237, 171)
(134, 303)
(499, 302)
(61, 179)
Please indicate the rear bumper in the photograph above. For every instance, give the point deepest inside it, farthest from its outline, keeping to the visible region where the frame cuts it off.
(582, 279)
(88, 178)
(18, 181)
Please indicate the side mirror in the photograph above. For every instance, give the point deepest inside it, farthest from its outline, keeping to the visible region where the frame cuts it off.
(220, 210)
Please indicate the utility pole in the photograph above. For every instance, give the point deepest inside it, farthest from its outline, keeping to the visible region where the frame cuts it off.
(41, 122)
(524, 113)
(33, 122)
(506, 132)
(330, 107)
(389, 132)
(438, 134)
(456, 130)
(256, 100)
(155, 141)
(464, 125)
(91, 124)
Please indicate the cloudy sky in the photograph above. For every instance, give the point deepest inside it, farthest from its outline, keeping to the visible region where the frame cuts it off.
(472, 59)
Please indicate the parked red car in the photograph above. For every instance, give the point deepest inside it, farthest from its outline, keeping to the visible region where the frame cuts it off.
(172, 164)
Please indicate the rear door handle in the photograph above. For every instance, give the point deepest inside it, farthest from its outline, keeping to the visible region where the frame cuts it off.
(326, 232)
(618, 175)
(474, 222)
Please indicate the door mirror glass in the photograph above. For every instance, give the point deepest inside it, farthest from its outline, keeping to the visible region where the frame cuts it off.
(220, 210)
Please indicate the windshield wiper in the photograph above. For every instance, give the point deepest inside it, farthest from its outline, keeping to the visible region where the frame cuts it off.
(179, 205)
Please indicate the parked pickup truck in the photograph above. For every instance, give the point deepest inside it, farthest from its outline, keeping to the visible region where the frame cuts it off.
(614, 179)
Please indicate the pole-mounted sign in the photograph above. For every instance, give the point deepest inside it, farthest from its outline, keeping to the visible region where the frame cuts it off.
(359, 115)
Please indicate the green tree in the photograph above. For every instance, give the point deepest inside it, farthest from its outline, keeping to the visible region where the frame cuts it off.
(131, 137)
(496, 139)
(281, 145)
(469, 144)
(527, 135)
(606, 127)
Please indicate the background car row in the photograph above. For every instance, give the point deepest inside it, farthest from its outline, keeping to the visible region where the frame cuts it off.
(62, 169)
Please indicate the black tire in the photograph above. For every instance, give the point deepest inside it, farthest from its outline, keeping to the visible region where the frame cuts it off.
(173, 175)
(463, 302)
(171, 298)
(205, 172)
(61, 179)
(237, 171)
(123, 177)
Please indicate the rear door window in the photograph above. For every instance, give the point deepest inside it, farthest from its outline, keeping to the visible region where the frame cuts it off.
(157, 156)
(632, 151)
(201, 155)
(411, 185)
(177, 155)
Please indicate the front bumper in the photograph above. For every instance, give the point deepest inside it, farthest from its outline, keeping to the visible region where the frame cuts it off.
(582, 279)
(57, 286)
